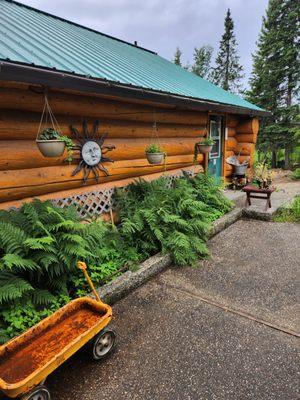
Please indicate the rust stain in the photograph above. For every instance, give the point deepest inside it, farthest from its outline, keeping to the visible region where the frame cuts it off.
(45, 345)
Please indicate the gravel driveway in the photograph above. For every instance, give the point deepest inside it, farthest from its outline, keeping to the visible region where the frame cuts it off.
(225, 330)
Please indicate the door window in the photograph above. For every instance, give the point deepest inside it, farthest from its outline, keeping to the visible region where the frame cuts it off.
(215, 134)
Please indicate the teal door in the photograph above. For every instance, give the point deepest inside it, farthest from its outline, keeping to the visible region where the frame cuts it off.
(215, 156)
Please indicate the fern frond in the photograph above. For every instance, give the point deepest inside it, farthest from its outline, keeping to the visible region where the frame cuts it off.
(12, 287)
(13, 260)
(41, 297)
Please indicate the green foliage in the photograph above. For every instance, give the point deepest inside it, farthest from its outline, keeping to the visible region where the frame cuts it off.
(275, 77)
(296, 174)
(177, 57)
(69, 146)
(49, 134)
(52, 134)
(17, 318)
(39, 247)
(202, 61)
(153, 148)
(40, 244)
(291, 213)
(207, 141)
(155, 218)
(228, 71)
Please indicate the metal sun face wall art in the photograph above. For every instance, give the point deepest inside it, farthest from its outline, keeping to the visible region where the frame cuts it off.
(91, 151)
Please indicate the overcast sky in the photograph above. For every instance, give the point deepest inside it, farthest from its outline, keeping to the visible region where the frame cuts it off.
(161, 25)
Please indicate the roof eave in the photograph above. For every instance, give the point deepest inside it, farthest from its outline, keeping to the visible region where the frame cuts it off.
(18, 72)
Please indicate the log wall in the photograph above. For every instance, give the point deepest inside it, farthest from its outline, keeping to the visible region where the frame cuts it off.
(242, 137)
(25, 173)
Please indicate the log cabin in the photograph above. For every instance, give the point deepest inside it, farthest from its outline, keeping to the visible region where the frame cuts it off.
(137, 97)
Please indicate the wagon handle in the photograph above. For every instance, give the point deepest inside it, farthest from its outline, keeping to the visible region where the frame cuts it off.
(83, 267)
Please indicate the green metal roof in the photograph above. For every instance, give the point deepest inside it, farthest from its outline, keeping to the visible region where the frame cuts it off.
(32, 37)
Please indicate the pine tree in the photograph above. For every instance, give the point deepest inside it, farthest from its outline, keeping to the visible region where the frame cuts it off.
(177, 57)
(275, 77)
(202, 61)
(228, 72)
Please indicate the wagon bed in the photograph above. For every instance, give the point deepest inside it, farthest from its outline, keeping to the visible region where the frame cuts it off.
(31, 357)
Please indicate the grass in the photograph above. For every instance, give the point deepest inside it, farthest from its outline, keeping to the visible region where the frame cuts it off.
(296, 174)
(290, 213)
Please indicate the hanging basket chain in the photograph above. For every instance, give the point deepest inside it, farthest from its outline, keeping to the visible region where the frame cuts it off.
(47, 111)
(155, 137)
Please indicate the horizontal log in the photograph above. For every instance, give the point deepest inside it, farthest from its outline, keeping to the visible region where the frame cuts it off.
(246, 138)
(101, 186)
(245, 149)
(248, 126)
(32, 182)
(21, 154)
(229, 153)
(85, 106)
(231, 143)
(15, 124)
(232, 121)
(231, 132)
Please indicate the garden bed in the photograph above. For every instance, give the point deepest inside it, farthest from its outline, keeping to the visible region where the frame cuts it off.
(40, 244)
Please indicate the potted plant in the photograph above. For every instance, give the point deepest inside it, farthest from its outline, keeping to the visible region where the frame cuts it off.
(205, 146)
(155, 155)
(262, 176)
(52, 144)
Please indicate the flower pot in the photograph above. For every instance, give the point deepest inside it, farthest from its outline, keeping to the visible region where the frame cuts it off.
(155, 158)
(51, 148)
(204, 148)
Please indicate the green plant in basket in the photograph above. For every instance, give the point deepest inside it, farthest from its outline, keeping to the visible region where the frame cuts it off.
(207, 142)
(153, 148)
(51, 134)
(203, 147)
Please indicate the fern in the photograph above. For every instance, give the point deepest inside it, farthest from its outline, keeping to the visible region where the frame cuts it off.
(177, 220)
(13, 260)
(40, 243)
(12, 287)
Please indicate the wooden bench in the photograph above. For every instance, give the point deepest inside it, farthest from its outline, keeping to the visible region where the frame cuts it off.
(253, 192)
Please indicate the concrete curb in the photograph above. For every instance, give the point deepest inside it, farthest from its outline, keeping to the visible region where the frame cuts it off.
(225, 221)
(130, 280)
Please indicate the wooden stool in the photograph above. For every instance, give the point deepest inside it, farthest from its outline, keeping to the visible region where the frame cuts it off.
(258, 194)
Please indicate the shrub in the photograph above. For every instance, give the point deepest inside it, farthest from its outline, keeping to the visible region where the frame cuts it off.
(40, 244)
(296, 174)
(291, 213)
(155, 218)
(39, 247)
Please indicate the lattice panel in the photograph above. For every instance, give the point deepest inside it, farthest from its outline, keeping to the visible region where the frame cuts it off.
(89, 203)
(101, 201)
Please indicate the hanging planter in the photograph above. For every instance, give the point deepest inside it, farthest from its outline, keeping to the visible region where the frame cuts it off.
(50, 141)
(205, 146)
(155, 155)
(50, 144)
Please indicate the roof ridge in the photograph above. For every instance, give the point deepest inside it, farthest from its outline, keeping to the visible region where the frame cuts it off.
(79, 25)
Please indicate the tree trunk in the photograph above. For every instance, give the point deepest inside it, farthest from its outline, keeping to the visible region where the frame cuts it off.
(287, 158)
(274, 158)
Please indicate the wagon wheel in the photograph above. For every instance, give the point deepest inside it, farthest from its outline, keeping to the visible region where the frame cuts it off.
(38, 393)
(103, 344)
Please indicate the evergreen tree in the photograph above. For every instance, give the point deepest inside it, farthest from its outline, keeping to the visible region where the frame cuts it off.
(177, 57)
(275, 77)
(202, 61)
(228, 72)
